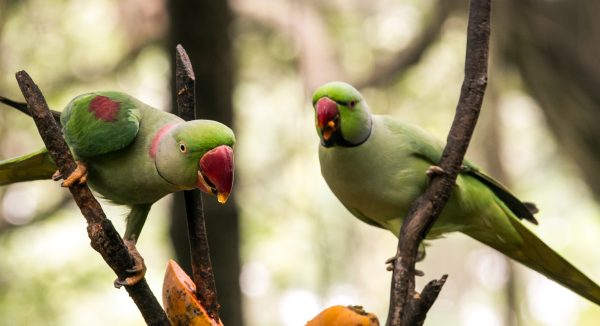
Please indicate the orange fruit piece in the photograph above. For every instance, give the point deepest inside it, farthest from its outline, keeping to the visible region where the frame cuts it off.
(179, 299)
(344, 315)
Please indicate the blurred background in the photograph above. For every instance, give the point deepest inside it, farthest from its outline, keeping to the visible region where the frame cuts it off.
(283, 248)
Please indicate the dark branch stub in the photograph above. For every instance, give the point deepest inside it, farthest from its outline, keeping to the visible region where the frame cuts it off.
(104, 238)
(407, 307)
(185, 85)
(202, 272)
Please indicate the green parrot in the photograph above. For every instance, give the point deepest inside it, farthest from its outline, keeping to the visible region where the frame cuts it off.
(377, 166)
(133, 154)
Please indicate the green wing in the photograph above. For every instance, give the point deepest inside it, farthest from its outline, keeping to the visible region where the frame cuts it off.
(34, 166)
(430, 149)
(101, 122)
(522, 210)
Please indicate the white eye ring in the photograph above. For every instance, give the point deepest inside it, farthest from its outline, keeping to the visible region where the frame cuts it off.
(182, 147)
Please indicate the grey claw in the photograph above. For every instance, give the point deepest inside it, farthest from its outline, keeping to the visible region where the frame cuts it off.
(434, 170)
(134, 270)
(56, 176)
(119, 283)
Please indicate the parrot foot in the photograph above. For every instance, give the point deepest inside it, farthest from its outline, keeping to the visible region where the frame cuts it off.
(467, 169)
(420, 256)
(434, 170)
(437, 170)
(138, 270)
(389, 263)
(79, 175)
(392, 260)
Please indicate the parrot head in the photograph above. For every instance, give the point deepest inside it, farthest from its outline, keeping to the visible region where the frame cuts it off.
(342, 115)
(197, 154)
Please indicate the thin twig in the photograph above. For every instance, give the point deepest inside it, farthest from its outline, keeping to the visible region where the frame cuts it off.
(104, 238)
(406, 306)
(386, 72)
(202, 272)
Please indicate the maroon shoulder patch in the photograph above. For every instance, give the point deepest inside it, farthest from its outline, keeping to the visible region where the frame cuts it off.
(104, 108)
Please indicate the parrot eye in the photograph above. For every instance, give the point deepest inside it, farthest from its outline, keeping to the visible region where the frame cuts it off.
(182, 147)
(351, 104)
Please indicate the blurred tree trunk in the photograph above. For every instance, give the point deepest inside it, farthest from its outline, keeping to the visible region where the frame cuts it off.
(202, 27)
(555, 45)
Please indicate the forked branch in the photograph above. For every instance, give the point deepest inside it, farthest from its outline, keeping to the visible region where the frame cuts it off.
(407, 307)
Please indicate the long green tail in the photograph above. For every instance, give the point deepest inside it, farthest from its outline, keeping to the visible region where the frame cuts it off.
(535, 254)
(34, 166)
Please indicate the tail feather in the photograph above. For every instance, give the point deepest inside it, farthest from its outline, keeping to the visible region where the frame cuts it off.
(34, 166)
(535, 254)
(22, 106)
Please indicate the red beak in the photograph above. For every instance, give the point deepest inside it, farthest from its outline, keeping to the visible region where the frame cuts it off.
(327, 117)
(216, 172)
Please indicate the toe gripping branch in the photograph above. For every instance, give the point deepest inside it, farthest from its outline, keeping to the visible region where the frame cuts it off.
(103, 236)
(138, 271)
(78, 176)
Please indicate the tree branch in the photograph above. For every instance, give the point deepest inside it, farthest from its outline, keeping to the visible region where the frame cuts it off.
(104, 238)
(388, 71)
(202, 272)
(408, 307)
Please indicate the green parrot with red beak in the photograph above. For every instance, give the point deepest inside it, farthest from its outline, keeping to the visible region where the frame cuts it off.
(133, 154)
(378, 165)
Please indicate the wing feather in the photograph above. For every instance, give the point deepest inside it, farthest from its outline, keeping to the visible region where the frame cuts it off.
(99, 123)
(431, 149)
